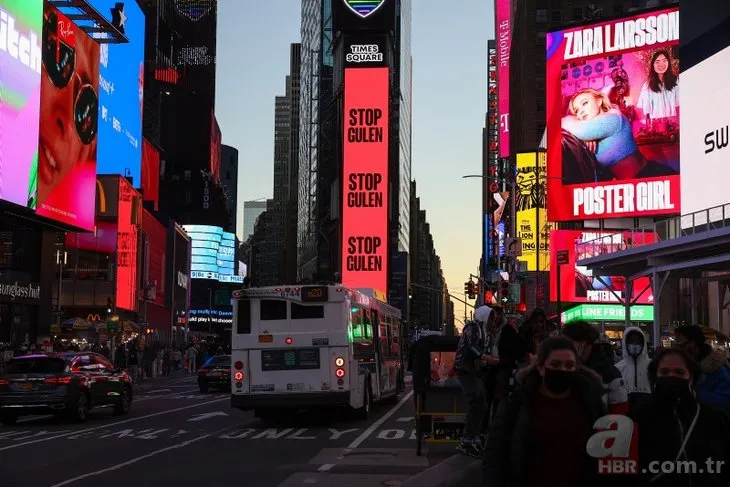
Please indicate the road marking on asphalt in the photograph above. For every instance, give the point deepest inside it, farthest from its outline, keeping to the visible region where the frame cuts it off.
(406, 419)
(213, 414)
(370, 430)
(35, 418)
(108, 425)
(139, 458)
(147, 397)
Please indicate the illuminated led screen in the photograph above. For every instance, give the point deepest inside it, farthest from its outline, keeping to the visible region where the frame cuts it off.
(365, 179)
(213, 253)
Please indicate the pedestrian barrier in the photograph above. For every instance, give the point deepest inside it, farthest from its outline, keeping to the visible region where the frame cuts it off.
(440, 407)
(455, 471)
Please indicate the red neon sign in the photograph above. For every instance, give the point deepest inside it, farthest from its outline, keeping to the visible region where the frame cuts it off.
(365, 179)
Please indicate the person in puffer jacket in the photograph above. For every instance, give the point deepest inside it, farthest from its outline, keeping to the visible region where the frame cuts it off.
(471, 357)
(634, 366)
(713, 387)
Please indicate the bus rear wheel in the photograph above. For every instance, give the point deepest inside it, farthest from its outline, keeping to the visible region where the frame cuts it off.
(363, 412)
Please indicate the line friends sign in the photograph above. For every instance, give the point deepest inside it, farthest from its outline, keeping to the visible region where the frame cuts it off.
(365, 179)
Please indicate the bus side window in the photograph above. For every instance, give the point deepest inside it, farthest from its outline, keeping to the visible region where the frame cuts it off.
(243, 317)
(362, 336)
(383, 338)
(394, 338)
(273, 309)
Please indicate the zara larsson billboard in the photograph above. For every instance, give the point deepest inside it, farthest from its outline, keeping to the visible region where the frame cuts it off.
(365, 179)
(613, 118)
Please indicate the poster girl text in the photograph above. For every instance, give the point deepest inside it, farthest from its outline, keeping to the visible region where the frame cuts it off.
(613, 118)
(365, 184)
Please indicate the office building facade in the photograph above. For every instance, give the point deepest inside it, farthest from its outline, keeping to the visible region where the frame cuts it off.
(229, 180)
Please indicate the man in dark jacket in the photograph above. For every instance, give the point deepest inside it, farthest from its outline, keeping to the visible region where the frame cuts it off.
(584, 336)
(713, 387)
(471, 358)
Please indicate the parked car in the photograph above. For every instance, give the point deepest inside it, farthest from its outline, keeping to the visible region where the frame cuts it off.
(69, 384)
(216, 373)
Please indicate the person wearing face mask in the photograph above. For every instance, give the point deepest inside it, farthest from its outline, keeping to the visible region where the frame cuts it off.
(634, 366)
(673, 426)
(713, 386)
(585, 337)
(539, 434)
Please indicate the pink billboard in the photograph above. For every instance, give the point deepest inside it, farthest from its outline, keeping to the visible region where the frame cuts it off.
(504, 44)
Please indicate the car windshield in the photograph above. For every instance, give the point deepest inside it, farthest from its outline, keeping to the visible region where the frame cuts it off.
(36, 365)
(218, 361)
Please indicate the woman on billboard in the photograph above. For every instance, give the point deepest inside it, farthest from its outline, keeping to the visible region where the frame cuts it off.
(69, 110)
(659, 97)
(606, 132)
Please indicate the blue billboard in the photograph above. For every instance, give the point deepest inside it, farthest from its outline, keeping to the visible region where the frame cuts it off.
(121, 81)
(213, 254)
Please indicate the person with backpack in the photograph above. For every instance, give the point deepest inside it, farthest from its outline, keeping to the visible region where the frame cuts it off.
(471, 358)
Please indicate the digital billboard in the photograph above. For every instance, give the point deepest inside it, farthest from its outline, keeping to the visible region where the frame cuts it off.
(706, 131)
(359, 15)
(613, 118)
(151, 173)
(102, 241)
(503, 16)
(213, 254)
(127, 231)
(121, 82)
(580, 285)
(491, 169)
(20, 91)
(365, 178)
(532, 225)
(66, 165)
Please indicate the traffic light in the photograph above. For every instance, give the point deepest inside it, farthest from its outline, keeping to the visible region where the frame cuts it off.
(467, 286)
(410, 293)
(470, 290)
(504, 291)
(109, 306)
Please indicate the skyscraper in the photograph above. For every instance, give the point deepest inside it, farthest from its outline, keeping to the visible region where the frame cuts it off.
(251, 211)
(293, 92)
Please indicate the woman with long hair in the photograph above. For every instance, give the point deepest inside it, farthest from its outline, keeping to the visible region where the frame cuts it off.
(659, 96)
(607, 132)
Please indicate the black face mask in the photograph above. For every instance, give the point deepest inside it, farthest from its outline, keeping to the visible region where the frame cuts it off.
(559, 381)
(672, 390)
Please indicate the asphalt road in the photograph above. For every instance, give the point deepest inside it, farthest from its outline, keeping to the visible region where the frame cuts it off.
(176, 436)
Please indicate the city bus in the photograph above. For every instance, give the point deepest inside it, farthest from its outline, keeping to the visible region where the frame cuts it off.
(304, 347)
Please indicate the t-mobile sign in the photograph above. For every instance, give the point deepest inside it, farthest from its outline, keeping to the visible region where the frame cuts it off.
(365, 179)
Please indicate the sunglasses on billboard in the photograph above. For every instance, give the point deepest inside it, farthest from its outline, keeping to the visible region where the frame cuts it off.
(59, 59)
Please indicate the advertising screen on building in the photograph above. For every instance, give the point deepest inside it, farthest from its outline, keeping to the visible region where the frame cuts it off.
(503, 16)
(66, 168)
(359, 15)
(127, 231)
(613, 118)
(365, 179)
(213, 253)
(121, 86)
(580, 285)
(706, 130)
(20, 86)
(491, 170)
(532, 225)
(102, 241)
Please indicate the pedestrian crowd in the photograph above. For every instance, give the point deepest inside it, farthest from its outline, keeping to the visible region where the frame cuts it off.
(535, 392)
(153, 359)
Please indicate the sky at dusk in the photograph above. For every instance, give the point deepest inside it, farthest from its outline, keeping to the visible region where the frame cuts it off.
(449, 104)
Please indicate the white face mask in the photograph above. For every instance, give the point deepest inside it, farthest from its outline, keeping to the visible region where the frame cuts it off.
(634, 349)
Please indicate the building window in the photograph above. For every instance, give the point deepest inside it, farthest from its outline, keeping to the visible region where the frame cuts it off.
(556, 16)
(187, 175)
(228, 175)
(577, 13)
(188, 198)
(541, 15)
